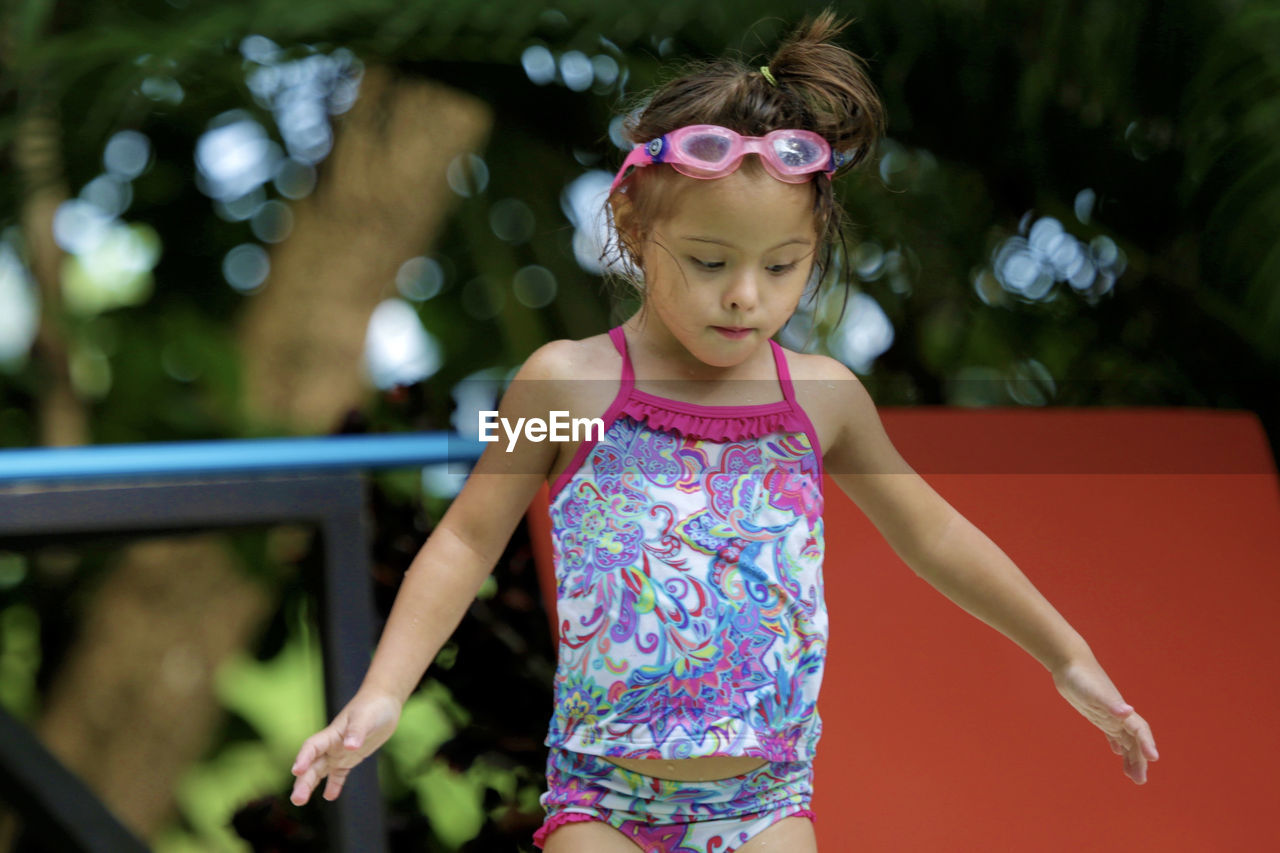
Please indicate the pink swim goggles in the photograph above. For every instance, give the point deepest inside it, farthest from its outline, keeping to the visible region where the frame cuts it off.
(711, 151)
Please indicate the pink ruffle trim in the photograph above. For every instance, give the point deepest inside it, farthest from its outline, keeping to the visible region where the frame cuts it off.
(562, 819)
(714, 427)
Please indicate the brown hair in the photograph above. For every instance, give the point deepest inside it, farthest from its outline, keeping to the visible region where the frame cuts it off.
(820, 86)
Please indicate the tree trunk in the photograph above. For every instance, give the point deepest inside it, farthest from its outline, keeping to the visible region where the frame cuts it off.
(37, 155)
(133, 706)
(381, 200)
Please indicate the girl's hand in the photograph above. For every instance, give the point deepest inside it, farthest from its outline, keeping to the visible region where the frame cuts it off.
(355, 733)
(1086, 686)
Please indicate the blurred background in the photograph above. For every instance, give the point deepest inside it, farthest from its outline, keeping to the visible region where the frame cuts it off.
(244, 219)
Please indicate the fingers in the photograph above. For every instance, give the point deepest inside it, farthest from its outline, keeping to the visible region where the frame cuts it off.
(1136, 743)
(336, 780)
(1142, 735)
(316, 759)
(358, 730)
(324, 754)
(1088, 689)
(313, 747)
(1135, 767)
(308, 780)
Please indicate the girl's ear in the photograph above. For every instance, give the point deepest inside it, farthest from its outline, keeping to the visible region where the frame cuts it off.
(624, 219)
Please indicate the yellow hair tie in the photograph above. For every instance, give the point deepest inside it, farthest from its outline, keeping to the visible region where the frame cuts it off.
(768, 75)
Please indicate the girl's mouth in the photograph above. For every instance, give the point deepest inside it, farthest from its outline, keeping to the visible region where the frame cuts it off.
(732, 332)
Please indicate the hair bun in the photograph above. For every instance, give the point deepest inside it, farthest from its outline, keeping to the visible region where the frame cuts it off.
(839, 99)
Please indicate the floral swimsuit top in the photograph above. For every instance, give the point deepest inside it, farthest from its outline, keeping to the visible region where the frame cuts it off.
(688, 551)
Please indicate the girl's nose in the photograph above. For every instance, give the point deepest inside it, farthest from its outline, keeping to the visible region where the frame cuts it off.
(743, 293)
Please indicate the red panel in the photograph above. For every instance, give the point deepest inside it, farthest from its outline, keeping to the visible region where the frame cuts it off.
(1156, 533)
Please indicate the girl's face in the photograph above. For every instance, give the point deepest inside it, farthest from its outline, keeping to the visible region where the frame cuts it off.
(726, 269)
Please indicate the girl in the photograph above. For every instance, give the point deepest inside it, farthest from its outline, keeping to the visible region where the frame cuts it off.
(688, 538)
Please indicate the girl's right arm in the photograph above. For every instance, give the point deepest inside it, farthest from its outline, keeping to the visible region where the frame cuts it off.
(441, 582)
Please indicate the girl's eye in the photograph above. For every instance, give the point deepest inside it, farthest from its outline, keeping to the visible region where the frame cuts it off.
(780, 269)
(708, 265)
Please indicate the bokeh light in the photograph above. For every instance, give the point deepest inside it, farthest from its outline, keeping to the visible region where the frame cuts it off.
(539, 64)
(294, 179)
(126, 154)
(512, 220)
(1028, 266)
(864, 334)
(234, 156)
(242, 208)
(868, 260)
(259, 49)
(1083, 205)
(476, 392)
(583, 202)
(79, 226)
(616, 133)
(576, 70)
(109, 194)
(467, 175)
(420, 278)
(246, 267)
(397, 349)
(272, 221)
(902, 168)
(605, 68)
(90, 371)
(114, 272)
(534, 286)
(442, 481)
(162, 89)
(19, 308)
(302, 93)
(1031, 383)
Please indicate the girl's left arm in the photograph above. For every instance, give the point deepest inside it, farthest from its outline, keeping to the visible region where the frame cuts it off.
(959, 560)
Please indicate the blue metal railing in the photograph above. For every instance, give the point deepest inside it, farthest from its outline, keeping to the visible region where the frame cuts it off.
(236, 456)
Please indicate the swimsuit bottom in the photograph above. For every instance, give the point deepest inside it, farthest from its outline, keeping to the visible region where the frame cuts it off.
(667, 816)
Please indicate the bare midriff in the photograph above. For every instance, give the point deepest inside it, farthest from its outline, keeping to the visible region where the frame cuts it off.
(705, 769)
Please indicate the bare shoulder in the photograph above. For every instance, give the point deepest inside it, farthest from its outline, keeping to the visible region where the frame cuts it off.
(590, 358)
(815, 367)
(829, 393)
(578, 377)
(861, 459)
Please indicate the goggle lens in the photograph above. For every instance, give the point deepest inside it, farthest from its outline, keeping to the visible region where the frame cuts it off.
(707, 147)
(797, 153)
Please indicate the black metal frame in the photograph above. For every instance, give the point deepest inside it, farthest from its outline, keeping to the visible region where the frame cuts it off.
(57, 805)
